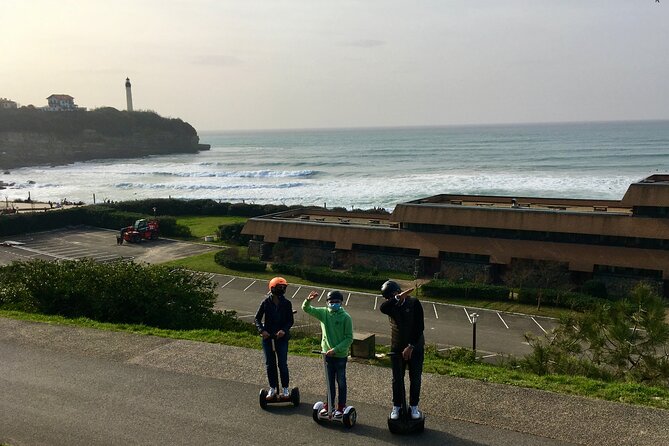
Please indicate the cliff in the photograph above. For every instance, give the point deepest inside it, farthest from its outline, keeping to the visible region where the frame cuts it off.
(31, 137)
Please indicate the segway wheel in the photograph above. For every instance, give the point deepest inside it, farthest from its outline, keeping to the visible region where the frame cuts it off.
(317, 408)
(350, 418)
(394, 426)
(295, 396)
(262, 398)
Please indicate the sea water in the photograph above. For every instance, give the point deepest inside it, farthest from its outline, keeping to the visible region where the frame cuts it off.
(376, 167)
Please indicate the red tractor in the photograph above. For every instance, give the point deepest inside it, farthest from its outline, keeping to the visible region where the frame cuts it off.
(142, 230)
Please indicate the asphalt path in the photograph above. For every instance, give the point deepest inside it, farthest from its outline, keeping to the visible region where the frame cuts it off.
(497, 333)
(69, 386)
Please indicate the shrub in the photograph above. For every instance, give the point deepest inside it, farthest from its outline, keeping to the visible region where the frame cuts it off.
(467, 290)
(229, 258)
(324, 275)
(233, 234)
(595, 288)
(118, 291)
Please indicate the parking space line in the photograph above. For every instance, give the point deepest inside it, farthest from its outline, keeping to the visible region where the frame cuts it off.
(228, 282)
(542, 328)
(435, 311)
(295, 293)
(246, 315)
(321, 296)
(349, 296)
(376, 300)
(467, 313)
(252, 283)
(500, 318)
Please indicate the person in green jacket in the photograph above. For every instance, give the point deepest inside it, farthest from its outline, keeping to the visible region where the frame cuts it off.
(337, 337)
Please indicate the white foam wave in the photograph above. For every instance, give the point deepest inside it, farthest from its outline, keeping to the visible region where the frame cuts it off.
(233, 174)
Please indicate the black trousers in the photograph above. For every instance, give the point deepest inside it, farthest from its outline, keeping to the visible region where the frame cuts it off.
(415, 365)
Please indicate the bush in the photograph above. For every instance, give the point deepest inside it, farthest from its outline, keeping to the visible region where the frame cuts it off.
(233, 234)
(229, 258)
(324, 275)
(595, 288)
(556, 298)
(119, 291)
(468, 290)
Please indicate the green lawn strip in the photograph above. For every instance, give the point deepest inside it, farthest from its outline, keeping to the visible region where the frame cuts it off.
(302, 345)
(201, 226)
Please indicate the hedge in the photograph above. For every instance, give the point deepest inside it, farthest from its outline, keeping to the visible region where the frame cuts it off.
(223, 258)
(121, 291)
(562, 299)
(322, 275)
(101, 216)
(467, 290)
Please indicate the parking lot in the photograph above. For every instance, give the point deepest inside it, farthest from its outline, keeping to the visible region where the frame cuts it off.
(445, 325)
(94, 243)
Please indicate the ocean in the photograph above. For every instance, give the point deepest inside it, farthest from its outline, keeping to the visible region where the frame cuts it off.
(375, 167)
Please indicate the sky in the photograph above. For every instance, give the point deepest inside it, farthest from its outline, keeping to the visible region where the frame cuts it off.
(287, 64)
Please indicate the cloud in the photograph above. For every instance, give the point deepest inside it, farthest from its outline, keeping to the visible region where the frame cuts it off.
(365, 43)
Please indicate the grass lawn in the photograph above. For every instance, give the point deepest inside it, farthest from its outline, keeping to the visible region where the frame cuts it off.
(302, 345)
(201, 226)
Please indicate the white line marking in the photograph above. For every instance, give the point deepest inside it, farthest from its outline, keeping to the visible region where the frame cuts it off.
(489, 356)
(228, 282)
(376, 299)
(435, 311)
(321, 296)
(500, 318)
(295, 294)
(467, 313)
(349, 296)
(250, 285)
(246, 315)
(542, 328)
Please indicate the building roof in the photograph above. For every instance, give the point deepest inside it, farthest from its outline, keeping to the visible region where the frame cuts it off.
(62, 97)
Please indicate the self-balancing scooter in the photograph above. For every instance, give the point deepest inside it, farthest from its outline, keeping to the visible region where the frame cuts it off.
(349, 414)
(405, 424)
(293, 395)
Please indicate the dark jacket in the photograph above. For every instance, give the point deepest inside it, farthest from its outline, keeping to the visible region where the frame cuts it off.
(406, 323)
(276, 317)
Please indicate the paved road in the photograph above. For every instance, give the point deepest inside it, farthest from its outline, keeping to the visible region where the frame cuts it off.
(73, 386)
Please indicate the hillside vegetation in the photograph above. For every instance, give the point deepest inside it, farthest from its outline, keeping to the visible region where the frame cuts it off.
(35, 137)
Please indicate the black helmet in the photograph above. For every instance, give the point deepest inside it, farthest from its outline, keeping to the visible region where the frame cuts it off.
(335, 296)
(390, 288)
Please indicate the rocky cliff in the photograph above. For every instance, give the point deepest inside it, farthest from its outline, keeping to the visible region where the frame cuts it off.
(35, 137)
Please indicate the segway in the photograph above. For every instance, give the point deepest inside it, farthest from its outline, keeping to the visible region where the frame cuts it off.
(349, 414)
(293, 396)
(405, 424)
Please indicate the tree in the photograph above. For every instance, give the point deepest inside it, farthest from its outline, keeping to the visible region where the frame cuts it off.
(624, 340)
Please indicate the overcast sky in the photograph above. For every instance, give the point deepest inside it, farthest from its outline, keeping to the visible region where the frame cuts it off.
(253, 64)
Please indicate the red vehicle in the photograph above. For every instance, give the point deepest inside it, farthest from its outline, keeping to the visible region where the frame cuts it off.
(142, 230)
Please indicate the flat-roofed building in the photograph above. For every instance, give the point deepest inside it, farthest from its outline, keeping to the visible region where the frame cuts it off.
(474, 237)
(7, 104)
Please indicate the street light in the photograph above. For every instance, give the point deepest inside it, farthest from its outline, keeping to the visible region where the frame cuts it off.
(474, 317)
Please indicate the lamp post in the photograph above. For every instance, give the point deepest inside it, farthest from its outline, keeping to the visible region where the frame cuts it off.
(474, 317)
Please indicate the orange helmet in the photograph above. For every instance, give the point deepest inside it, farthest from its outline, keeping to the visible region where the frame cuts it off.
(277, 281)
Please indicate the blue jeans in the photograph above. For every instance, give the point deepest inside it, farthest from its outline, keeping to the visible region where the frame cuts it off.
(415, 365)
(336, 368)
(281, 347)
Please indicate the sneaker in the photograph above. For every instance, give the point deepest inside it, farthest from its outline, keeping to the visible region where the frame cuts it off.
(286, 392)
(271, 394)
(324, 410)
(395, 414)
(338, 413)
(415, 413)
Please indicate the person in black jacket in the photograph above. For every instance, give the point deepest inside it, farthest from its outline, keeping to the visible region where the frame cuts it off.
(277, 312)
(407, 342)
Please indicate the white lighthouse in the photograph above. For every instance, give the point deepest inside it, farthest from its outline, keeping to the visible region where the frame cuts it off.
(128, 93)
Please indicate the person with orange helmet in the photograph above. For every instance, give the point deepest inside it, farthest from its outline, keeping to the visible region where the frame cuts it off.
(273, 320)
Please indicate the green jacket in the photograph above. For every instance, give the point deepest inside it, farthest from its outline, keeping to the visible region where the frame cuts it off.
(336, 327)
